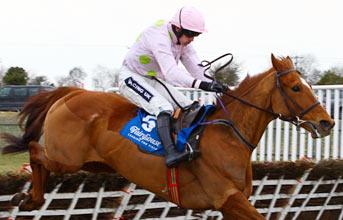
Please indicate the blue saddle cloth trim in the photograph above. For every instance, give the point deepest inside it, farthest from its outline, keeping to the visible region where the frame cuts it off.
(142, 130)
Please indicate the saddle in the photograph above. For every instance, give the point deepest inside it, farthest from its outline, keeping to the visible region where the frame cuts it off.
(183, 118)
(186, 130)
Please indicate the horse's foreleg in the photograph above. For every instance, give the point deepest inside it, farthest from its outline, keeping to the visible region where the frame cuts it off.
(248, 179)
(237, 206)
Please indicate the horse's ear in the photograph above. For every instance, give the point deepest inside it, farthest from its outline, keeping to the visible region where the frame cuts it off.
(290, 60)
(276, 63)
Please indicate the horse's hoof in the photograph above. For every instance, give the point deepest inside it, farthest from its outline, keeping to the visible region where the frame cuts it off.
(17, 198)
(28, 205)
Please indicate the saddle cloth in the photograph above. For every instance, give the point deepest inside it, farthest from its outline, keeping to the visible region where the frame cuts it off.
(142, 129)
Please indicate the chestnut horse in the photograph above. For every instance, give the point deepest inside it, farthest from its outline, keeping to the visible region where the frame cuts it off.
(80, 128)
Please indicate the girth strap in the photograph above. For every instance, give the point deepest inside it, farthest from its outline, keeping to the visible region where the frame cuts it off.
(173, 185)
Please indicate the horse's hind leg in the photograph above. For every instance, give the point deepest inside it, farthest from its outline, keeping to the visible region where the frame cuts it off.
(41, 167)
(237, 206)
(34, 199)
(37, 155)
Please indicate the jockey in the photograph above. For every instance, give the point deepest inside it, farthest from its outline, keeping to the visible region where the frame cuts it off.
(150, 68)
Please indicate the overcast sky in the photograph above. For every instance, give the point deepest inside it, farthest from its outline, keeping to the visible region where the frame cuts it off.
(51, 37)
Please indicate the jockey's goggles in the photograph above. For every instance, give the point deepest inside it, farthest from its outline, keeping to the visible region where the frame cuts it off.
(189, 33)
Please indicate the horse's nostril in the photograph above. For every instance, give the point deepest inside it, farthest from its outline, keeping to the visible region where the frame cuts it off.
(326, 124)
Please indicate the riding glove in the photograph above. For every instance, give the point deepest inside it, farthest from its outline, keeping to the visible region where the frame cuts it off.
(213, 86)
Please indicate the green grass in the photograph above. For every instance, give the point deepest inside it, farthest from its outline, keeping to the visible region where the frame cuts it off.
(12, 162)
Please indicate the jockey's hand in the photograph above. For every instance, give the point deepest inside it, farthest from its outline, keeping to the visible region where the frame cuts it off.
(213, 86)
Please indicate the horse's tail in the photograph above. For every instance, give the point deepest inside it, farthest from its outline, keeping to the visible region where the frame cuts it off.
(34, 111)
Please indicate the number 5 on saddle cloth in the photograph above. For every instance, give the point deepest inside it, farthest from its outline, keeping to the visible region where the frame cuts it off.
(142, 130)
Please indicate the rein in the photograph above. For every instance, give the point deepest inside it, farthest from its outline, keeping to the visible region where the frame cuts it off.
(294, 119)
(208, 64)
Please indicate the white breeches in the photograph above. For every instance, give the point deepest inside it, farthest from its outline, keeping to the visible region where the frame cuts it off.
(149, 94)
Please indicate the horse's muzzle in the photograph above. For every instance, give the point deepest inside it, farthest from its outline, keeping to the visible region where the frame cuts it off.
(321, 129)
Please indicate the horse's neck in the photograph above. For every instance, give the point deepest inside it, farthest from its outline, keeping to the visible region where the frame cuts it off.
(250, 121)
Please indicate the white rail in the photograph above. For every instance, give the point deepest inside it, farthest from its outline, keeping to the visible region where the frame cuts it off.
(285, 198)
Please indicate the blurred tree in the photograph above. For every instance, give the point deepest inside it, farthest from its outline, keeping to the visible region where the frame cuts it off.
(307, 65)
(77, 73)
(76, 78)
(338, 70)
(104, 78)
(227, 75)
(40, 80)
(330, 77)
(2, 71)
(37, 80)
(15, 76)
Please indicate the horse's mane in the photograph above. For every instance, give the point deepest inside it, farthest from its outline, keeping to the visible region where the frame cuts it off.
(250, 81)
(244, 87)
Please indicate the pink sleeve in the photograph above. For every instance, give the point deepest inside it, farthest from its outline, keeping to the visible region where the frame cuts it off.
(161, 48)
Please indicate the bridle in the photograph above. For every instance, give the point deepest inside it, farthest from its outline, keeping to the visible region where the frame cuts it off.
(295, 119)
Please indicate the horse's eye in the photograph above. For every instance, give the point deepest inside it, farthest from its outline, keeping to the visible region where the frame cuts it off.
(296, 88)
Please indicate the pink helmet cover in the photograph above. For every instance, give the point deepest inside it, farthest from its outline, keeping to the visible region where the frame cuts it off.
(191, 19)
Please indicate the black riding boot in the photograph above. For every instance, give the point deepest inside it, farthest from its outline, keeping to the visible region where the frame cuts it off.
(173, 157)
